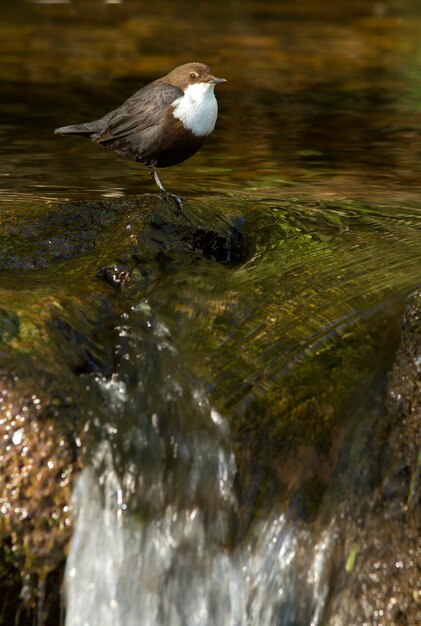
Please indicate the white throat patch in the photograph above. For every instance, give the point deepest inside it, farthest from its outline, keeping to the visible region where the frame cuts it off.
(197, 109)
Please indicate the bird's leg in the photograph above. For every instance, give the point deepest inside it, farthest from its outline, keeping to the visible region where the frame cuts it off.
(155, 176)
(177, 200)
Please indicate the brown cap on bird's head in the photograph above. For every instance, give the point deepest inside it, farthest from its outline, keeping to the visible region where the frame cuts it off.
(191, 73)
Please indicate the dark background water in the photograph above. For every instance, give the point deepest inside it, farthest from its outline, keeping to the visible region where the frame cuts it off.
(321, 97)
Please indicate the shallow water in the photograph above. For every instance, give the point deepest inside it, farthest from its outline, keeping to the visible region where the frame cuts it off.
(324, 98)
(214, 440)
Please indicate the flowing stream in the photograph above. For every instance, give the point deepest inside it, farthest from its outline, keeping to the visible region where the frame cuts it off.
(237, 426)
(151, 544)
(158, 536)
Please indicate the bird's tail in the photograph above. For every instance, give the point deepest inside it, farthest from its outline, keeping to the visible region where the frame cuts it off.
(79, 129)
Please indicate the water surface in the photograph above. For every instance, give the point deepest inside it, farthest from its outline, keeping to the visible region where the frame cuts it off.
(324, 98)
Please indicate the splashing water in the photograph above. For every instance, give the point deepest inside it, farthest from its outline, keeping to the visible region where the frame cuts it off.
(168, 572)
(151, 541)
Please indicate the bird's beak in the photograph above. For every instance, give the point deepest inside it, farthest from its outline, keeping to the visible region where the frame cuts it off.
(214, 80)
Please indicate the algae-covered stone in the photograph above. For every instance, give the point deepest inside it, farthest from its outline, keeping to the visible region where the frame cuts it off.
(59, 266)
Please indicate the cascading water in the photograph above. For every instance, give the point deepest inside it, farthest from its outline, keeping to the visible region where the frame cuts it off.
(154, 510)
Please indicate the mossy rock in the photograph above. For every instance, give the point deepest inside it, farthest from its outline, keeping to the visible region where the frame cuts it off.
(56, 325)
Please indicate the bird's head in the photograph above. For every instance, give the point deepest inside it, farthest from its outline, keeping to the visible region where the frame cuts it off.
(191, 74)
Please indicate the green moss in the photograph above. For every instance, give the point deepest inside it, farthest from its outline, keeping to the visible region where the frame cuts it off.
(9, 326)
(352, 557)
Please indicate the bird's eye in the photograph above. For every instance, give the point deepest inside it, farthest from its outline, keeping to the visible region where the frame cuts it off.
(193, 76)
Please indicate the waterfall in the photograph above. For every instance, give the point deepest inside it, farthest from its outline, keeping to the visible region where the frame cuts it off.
(154, 507)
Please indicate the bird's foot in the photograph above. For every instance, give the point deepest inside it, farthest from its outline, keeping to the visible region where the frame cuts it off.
(179, 203)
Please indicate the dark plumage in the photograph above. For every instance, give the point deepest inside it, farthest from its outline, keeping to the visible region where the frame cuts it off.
(162, 124)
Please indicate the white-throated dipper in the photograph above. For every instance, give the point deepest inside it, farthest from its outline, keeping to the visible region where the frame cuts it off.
(162, 124)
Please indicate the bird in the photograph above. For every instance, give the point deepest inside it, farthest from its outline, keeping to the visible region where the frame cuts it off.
(162, 124)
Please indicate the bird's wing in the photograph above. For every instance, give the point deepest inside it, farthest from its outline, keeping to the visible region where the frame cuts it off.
(142, 110)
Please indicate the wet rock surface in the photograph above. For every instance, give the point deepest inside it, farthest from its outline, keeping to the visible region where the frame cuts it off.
(377, 579)
(63, 271)
(65, 295)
